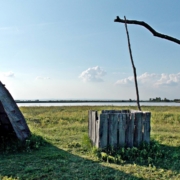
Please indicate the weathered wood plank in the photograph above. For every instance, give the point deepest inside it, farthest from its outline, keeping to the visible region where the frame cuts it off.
(90, 124)
(97, 130)
(122, 129)
(129, 130)
(137, 128)
(147, 127)
(93, 126)
(103, 130)
(113, 125)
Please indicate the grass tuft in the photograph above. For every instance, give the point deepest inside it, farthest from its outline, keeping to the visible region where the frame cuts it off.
(144, 154)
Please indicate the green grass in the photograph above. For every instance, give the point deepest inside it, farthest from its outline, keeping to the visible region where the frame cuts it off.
(60, 149)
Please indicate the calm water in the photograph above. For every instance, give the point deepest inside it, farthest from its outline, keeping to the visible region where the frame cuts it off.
(101, 104)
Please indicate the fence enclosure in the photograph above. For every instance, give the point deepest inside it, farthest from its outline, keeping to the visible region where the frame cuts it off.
(125, 128)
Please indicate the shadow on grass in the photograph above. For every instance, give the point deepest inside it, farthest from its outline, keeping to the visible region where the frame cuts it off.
(166, 157)
(155, 155)
(50, 162)
(171, 159)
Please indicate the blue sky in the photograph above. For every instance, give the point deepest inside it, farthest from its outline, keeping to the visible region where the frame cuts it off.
(73, 49)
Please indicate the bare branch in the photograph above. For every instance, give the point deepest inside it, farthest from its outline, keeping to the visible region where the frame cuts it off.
(147, 26)
(134, 69)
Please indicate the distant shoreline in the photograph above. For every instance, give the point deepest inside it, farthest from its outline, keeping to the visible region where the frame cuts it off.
(86, 101)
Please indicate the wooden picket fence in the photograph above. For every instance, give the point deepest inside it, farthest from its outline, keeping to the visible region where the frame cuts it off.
(124, 128)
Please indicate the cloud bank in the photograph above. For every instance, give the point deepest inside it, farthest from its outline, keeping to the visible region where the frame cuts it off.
(94, 74)
(155, 80)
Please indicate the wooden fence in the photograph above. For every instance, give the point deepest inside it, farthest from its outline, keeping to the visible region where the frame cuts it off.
(125, 128)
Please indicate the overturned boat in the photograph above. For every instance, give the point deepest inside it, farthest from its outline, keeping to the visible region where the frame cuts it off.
(12, 120)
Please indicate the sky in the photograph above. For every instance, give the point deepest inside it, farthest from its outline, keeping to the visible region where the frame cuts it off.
(59, 49)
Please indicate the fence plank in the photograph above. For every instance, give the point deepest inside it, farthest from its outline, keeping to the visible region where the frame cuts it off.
(113, 122)
(129, 130)
(103, 130)
(122, 129)
(137, 128)
(97, 130)
(147, 127)
(90, 124)
(93, 126)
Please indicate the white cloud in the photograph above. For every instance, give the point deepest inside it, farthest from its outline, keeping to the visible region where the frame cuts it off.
(42, 78)
(93, 74)
(125, 81)
(153, 79)
(8, 74)
(147, 78)
(168, 80)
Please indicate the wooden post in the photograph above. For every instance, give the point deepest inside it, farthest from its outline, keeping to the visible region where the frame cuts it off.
(137, 128)
(129, 130)
(90, 124)
(147, 127)
(122, 129)
(113, 122)
(97, 130)
(93, 126)
(103, 130)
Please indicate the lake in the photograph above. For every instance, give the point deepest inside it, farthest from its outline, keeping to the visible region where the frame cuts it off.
(102, 104)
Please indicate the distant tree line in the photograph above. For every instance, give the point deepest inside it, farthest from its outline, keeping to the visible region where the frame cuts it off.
(158, 99)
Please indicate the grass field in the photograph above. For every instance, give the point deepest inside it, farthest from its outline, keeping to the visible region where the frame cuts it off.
(61, 149)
